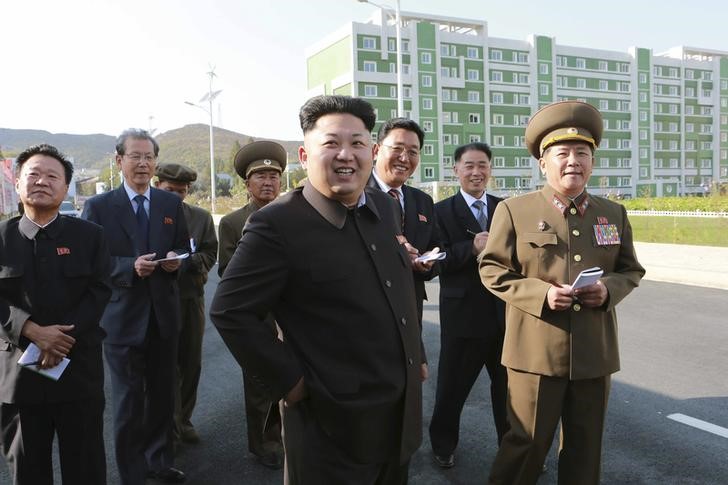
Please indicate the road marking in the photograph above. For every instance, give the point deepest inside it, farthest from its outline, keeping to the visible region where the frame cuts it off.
(700, 424)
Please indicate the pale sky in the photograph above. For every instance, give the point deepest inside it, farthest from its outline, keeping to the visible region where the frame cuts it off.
(99, 66)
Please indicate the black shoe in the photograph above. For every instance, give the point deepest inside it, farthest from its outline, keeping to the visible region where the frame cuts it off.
(168, 475)
(445, 461)
(271, 460)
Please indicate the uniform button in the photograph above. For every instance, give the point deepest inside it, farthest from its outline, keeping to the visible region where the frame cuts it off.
(576, 232)
(572, 211)
(410, 361)
(577, 307)
(388, 284)
(403, 321)
(374, 247)
(577, 257)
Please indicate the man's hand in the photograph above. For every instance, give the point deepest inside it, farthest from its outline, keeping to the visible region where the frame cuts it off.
(559, 298)
(424, 372)
(53, 341)
(296, 394)
(479, 241)
(170, 266)
(593, 295)
(144, 266)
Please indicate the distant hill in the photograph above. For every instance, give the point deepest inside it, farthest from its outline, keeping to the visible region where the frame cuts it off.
(188, 145)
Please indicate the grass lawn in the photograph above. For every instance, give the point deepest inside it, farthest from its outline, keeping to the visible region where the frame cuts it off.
(699, 231)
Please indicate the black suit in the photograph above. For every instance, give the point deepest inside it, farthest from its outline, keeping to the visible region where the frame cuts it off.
(57, 275)
(420, 229)
(142, 321)
(340, 288)
(471, 326)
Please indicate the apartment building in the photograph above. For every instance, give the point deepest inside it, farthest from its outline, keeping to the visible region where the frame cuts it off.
(665, 114)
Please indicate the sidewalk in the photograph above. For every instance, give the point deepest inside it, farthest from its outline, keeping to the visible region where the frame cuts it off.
(688, 265)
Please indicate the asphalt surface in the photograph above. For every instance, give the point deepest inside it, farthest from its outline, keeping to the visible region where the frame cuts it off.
(673, 346)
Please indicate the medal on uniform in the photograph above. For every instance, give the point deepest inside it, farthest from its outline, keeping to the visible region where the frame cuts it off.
(605, 233)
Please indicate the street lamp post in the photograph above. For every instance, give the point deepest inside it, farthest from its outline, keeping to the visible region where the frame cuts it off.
(210, 97)
(398, 30)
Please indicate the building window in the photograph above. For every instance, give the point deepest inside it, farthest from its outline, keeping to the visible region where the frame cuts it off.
(429, 172)
(706, 145)
(522, 58)
(426, 81)
(447, 139)
(500, 183)
(543, 89)
(473, 75)
(472, 53)
(498, 140)
(603, 85)
(674, 163)
(427, 149)
(496, 76)
(602, 65)
(672, 72)
(643, 78)
(524, 162)
(658, 163)
(523, 119)
(370, 90)
(689, 109)
(543, 68)
(444, 50)
(624, 87)
(497, 119)
(561, 61)
(690, 145)
(496, 98)
(499, 162)
(473, 96)
(581, 83)
(369, 43)
(706, 163)
(427, 103)
(524, 99)
(522, 78)
(427, 126)
(643, 153)
(623, 67)
(445, 71)
(392, 91)
(474, 138)
(625, 181)
(643, 134)
(474, 118)
(560, 81)
(643, 97)
(370, 66)
(643, 172)
(604, 104)
(392, 45)
(426, 58)
(603, 163)
(580, 63)
(405, 46)
(496, 55)
(707, 76)
(447, 161)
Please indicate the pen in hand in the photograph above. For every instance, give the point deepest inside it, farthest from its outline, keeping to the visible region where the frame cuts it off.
(470, 233)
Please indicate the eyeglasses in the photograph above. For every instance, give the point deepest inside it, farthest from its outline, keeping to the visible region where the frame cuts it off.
(138, 157)
(398, 150)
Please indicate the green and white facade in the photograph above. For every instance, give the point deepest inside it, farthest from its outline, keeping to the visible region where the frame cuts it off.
(665, 115)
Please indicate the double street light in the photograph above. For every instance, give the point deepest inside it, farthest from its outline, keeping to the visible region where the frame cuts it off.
(398, 30)
(209, 97)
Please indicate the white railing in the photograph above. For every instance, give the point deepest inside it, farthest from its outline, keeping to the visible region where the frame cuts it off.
(677, 213)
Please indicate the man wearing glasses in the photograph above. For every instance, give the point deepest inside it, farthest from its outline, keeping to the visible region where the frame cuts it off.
(397, 154)
(142, 225)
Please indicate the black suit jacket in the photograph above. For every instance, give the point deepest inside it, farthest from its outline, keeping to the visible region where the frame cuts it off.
(73, 289)
(132, 300)
(420, 229)
(340, 288)
(467, 308)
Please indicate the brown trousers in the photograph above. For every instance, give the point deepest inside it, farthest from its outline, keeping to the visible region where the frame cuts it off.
(536, 403)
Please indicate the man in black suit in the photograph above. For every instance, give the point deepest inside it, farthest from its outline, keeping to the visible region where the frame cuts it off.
(142, 224)
(326, 261)
(471, 318)
(54, 285)
(397, 154)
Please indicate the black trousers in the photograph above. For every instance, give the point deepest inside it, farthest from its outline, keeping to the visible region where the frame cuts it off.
(27, 441)
(143, 381)
(311, 456)
(461, 360)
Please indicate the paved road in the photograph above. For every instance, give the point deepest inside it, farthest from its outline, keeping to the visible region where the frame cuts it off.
(673, 340)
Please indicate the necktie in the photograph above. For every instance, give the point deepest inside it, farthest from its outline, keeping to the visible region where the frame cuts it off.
(481, 215)
(395, 193)
(142, 225)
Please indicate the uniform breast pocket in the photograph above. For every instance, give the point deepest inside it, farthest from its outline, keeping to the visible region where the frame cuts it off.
(538, 250)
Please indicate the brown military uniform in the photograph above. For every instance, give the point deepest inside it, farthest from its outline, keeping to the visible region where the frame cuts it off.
(558, 362)
(230, 230)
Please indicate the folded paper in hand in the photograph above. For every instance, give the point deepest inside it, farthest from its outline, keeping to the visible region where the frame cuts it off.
(587, 277)
(434, 255)
(179, 256)
(31, 357)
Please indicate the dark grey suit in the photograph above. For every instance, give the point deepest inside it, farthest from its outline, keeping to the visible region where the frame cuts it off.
(142, 322)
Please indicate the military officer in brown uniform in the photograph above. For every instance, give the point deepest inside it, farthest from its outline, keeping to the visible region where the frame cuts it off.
(560, 343)
(260, 164)
(177, 178)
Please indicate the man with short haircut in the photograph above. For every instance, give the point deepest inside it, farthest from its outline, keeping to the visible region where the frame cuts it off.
(146, 231)
(176, 178)
(471, 318)
(260, 164)
(397, 153)
(326, 261)
(54, 285)
(560, 345)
